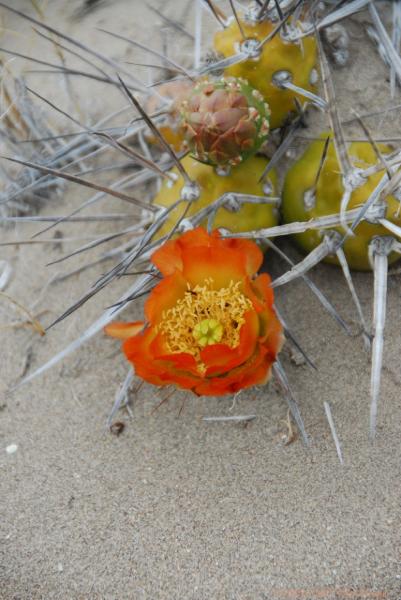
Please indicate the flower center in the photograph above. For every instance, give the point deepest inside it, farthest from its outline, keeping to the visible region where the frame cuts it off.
(205, 316)
(208, 331)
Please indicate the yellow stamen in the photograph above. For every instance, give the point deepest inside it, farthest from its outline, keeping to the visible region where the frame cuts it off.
(205, 316)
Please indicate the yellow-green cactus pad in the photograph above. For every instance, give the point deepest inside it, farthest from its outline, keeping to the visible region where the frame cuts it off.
(242, 179)
(297, 204)
(299, 59)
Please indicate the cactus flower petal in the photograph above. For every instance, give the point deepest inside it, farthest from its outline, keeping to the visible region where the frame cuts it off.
(211, 326)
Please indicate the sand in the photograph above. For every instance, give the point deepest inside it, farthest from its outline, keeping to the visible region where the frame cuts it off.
(176, 507)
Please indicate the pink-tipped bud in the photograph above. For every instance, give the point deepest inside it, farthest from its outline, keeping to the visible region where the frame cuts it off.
(225, 121)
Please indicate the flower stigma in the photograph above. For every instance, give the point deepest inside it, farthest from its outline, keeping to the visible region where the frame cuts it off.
(208, 331)
(205, 316)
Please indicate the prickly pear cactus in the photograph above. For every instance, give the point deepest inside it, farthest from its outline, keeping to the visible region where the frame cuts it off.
(225, 121)
(269, 67)
(213, 184)
(307, 195)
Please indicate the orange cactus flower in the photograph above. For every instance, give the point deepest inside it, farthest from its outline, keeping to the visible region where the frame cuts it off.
(210, 323)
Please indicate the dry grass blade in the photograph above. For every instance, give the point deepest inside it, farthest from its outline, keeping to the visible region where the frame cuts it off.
(97, 326)
(80, 45)
(52, 219)
(59, 68)
(97, 197)
(156, 132)
(216, 12)
(164, 58)
(171, 22)
(80, 181)
(31, 319)
(67, 71)
(126, 150)
(72, 52)
(93, 244)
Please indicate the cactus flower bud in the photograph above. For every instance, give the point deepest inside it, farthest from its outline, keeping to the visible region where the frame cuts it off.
(225, 121)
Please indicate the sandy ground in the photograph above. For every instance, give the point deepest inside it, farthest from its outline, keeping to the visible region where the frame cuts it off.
(175, 507)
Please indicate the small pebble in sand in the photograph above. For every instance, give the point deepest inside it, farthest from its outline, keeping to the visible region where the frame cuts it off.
(11, 448)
